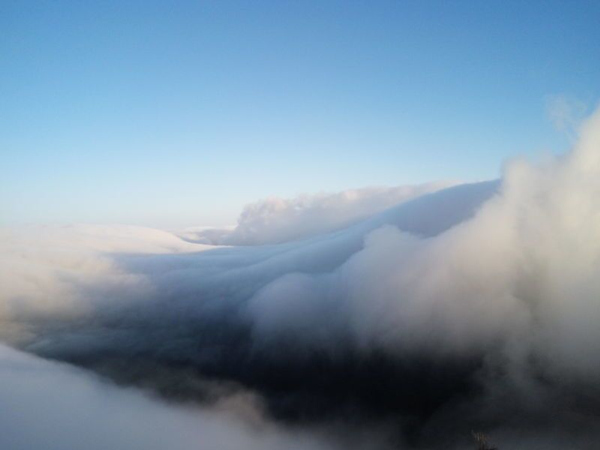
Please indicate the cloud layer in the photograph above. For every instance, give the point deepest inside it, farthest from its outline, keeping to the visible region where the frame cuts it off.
(52, 406)
(471, 307)
(276, 220)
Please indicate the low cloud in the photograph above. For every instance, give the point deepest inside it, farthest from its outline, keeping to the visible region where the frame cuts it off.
(56, 407)
(471, 307)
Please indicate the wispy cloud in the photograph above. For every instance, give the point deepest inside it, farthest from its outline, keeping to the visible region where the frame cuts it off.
(566, 113)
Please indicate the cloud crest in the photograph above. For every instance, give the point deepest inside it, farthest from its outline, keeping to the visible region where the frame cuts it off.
(276, 220)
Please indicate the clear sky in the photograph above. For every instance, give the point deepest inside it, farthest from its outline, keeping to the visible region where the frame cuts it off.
(178, 113)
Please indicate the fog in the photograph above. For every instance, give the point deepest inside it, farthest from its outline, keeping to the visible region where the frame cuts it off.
(470, 307)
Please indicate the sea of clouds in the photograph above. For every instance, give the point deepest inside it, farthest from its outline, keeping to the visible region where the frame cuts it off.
(381, 318)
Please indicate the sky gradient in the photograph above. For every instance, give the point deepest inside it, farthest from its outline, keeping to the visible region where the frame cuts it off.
(173, 115)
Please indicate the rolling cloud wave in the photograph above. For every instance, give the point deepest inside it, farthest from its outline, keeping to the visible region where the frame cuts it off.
(471, 307)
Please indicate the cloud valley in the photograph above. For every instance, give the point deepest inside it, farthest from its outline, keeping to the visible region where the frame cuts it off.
(403, 318)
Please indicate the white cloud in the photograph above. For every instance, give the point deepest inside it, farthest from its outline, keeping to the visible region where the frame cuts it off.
(497, 281)
(276, 220)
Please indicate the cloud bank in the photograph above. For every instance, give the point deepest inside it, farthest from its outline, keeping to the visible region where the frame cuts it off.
(471, 307)
(276, 220)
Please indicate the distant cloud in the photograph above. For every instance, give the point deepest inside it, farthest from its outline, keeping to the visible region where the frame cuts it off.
(277, 220)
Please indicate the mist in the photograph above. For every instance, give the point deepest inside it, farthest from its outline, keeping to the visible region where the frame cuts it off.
(460, 308)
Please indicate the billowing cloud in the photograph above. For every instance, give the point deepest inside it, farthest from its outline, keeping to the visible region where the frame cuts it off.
(277, 220)
(471, 307)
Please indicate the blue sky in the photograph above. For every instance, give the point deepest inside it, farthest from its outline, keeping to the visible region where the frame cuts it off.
(178, 113)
